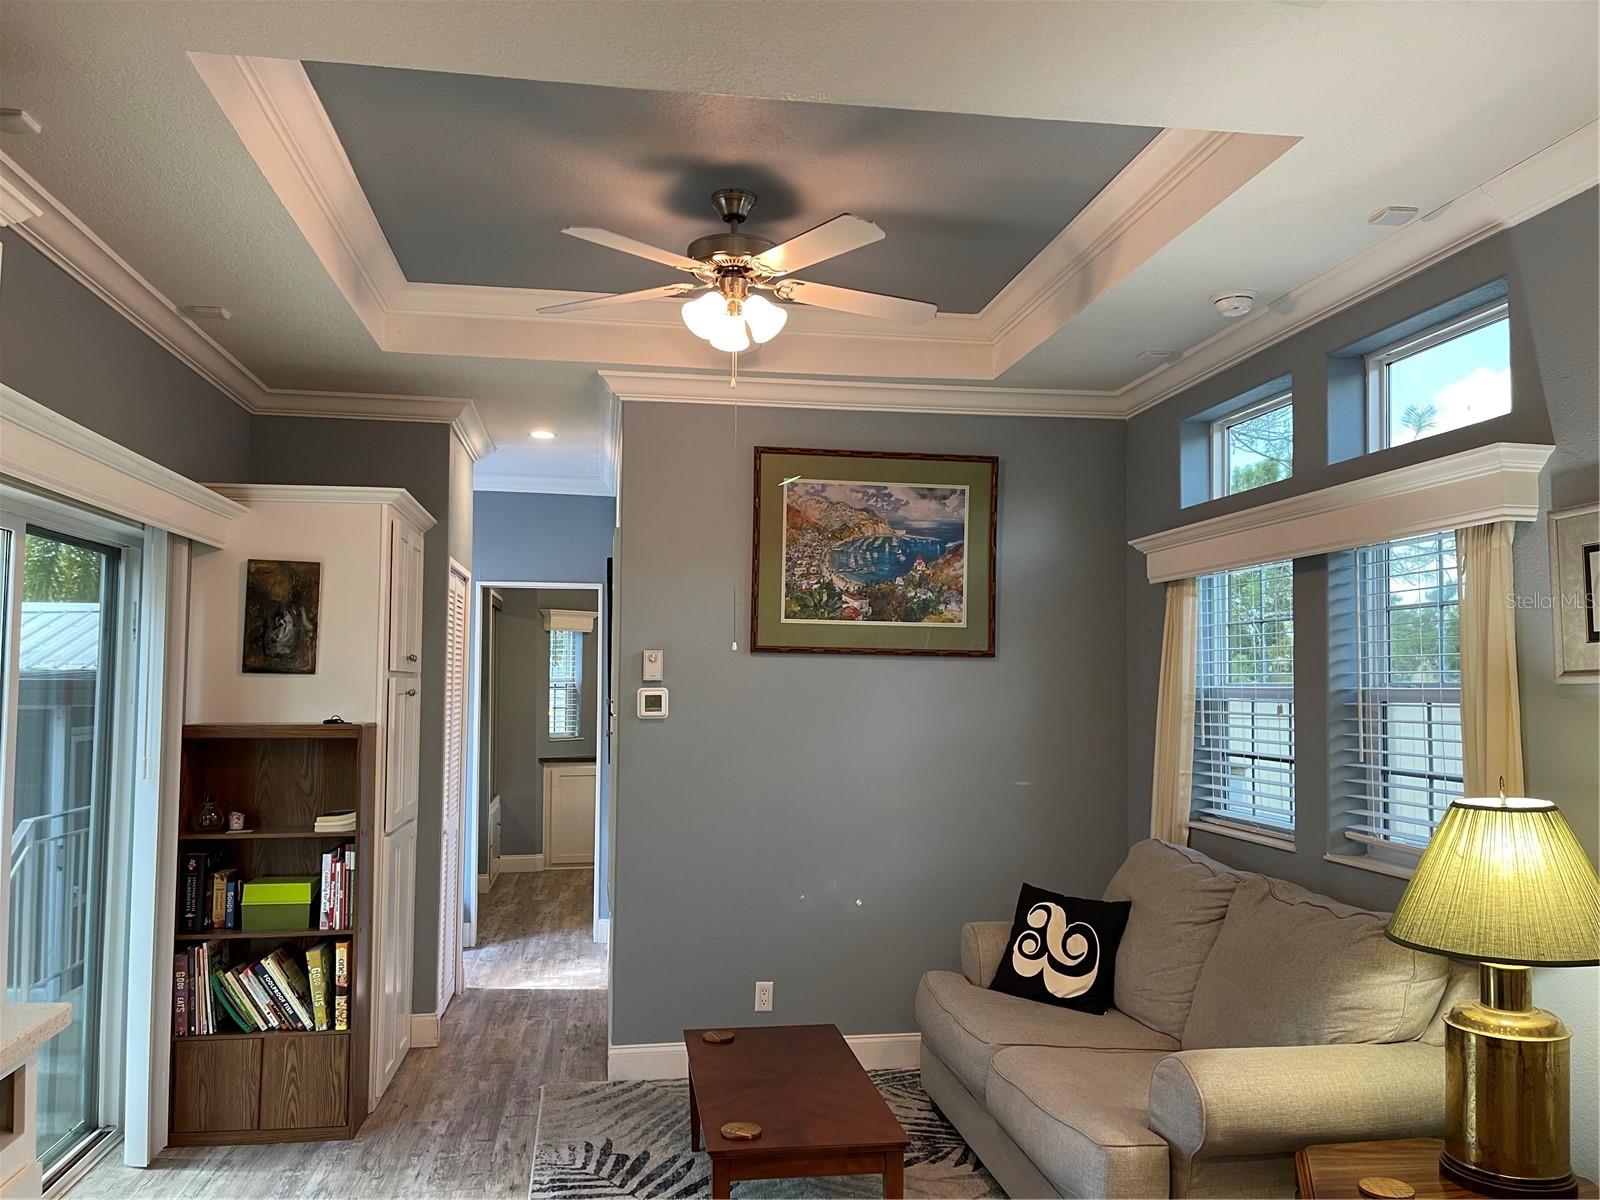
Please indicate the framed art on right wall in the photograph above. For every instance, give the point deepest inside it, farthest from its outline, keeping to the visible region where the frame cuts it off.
(1574, 575)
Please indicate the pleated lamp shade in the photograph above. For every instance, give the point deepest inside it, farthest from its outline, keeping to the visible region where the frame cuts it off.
(1503, 881)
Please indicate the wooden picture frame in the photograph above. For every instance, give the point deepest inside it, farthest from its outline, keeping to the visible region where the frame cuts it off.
(873, 552)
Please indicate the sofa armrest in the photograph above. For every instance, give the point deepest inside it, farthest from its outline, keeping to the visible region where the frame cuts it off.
(1276, 1099)
(982, 944)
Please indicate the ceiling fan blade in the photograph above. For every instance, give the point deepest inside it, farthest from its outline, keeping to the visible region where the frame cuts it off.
(828, 240)
(655, 293)
(628, 245)
(867, 304)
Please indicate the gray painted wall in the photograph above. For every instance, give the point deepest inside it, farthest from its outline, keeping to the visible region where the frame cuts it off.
(1549, 263)
(522, 728)
(63, 347)
(417, 457)
(534, 538)
(784, 788)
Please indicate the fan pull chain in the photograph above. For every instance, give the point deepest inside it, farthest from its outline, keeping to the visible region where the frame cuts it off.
(733, 371)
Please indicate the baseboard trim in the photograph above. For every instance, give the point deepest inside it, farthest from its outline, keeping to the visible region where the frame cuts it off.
(670, 1060)
(485, 883)
(519, 863)
(602, 929)
(424, 1030)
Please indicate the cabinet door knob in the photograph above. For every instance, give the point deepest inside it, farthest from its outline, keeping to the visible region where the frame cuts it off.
(411, 658)
(411, 691)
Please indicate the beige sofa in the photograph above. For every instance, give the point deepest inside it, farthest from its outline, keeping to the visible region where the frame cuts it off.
(1252, 1017)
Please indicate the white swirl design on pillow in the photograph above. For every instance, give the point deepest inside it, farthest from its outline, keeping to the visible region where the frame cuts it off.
(1066, 956)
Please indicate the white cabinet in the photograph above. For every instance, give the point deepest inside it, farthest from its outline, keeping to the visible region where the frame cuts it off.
(569, 798)
(369, 544)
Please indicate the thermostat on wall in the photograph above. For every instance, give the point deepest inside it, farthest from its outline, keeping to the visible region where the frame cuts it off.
(652, 703)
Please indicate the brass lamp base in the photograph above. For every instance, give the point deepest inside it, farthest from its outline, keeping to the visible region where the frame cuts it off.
(1507, 1091)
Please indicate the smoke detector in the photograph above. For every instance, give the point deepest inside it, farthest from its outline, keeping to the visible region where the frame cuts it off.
(1233, 304)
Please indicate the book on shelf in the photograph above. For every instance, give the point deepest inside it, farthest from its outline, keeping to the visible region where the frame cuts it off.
(180, 992)
(341, 985)
(191, 892)
(336, 902)
(223, 882)
(343, 821)
(319, 974)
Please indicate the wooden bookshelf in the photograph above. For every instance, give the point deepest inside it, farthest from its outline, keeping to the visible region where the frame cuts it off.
(278, 1086)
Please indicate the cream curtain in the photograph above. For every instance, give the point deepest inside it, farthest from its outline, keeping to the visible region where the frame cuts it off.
(1491, 716)
(1174, 756)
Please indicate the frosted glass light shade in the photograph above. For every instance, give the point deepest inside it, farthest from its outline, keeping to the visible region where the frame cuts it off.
(730, 336)
(705, 313)
(765, 318)
(1503, 881)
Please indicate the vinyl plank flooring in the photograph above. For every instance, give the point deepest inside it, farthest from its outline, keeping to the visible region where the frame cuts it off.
(459, 1118)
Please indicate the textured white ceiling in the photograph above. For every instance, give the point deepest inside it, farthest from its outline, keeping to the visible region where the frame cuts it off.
(1395, 104)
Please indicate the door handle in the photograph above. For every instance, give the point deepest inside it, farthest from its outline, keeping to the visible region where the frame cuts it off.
(411, 658)
(411, 691)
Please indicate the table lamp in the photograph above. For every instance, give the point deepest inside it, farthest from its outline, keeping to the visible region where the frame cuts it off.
(1504, 883)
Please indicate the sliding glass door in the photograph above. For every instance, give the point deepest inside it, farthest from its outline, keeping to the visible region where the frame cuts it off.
(65, 624)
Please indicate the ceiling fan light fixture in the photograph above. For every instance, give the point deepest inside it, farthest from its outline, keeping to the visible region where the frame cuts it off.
(705, 313)
(731, 337)
(766, 319)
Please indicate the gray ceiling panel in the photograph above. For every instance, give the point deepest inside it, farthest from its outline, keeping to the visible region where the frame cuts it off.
(472, 178)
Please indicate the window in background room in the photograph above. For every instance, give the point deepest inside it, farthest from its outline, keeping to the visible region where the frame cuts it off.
(1407, 711)
(1244, 700)
(566, 655)
(1453, 375)
(1254, 446)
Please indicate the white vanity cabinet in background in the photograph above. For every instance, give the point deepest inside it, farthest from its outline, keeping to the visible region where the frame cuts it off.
(369, 542)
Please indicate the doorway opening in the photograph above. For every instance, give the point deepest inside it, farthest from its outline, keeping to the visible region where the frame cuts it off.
(539, 915)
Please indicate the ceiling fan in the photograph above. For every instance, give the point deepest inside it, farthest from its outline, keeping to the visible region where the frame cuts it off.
(733, 270)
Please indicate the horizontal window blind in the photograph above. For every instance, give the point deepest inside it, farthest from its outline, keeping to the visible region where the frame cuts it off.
(1244, 698)
(1406, 714)
(565, 699)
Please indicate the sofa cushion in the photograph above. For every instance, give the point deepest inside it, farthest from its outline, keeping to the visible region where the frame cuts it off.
(965, 1026)
(1292, 968)
(1179, 899)
(1062, 950)
(1081, 1116)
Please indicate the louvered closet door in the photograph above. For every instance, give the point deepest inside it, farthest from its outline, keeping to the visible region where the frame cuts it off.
(455, 736)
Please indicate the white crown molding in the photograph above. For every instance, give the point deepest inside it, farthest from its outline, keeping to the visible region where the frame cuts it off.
(670, 1060)
(252, 494)
(1535, 184)
(57, 233)
(1497, 482)
(41, 447)
(1173, 182)
(559, 485)
(788, 392)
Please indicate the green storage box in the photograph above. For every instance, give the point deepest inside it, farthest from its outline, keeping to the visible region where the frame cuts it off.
(278, 902)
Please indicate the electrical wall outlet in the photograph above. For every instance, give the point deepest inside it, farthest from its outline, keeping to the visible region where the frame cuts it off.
(764, 996)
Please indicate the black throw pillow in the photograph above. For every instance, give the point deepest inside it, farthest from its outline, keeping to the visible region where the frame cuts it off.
(1062, 950)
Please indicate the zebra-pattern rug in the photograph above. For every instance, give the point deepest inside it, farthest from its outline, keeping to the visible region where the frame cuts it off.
(605, 1140)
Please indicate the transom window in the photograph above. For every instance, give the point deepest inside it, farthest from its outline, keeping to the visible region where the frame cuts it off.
(1254, 446)
(1453, 375)
(566, 656)
(1244, 700)
(1407, 711)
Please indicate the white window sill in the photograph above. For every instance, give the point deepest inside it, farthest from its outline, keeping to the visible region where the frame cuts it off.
(1365, 862)
(1276, 841)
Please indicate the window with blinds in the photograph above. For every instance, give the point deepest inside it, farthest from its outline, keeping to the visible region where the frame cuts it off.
(566, 655)
(1244, 700)
(1405, 715)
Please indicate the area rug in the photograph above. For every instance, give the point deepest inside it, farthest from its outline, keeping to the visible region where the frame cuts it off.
(632, 1139)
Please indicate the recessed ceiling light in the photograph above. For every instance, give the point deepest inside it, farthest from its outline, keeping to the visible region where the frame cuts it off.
(1395, 214)
(206, 312)
(543, 435)
(1233, 303)
(18, 120)
(1156, 355)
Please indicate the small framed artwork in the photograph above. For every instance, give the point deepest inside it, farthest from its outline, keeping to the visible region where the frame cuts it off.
(863, 552)
(281, 610)
(1574, 575)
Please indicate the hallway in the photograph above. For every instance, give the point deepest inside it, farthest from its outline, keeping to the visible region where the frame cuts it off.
(459, 1118)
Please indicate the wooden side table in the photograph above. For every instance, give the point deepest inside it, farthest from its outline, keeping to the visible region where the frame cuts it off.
(1332, 1172)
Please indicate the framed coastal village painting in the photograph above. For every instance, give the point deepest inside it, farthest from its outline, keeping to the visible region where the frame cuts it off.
(861, 552)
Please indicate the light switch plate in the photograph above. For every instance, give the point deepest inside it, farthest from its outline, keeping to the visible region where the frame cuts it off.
(652, 703)
(655, 666)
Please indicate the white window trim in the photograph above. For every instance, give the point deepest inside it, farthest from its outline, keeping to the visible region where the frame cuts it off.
(1261, 835)
(1219, 437)
(1379, 361)
(575, 684)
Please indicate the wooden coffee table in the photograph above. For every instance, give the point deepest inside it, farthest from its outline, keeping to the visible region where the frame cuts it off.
(819, 1112)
